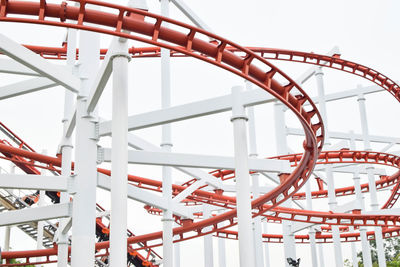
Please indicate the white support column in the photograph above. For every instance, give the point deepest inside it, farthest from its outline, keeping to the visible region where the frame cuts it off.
(282, 149)
(311, 231)
(321, 255)
(208, 242)
(84, 203)
(221, 252)
(166, 145)
(331, 186)
(7, 234)
(66, 151)
(119, 163)
(257, 231)
(177, 252)
(366, 252)
(353, 250)
(246, 244)
(371, 180)
(40, 224)
(266, 247)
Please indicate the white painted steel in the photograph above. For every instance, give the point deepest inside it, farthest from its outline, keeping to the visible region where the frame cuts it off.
(25, 87)
(119, 162)
(207, 240)
(199, 161)
(35, 214)
(38, 64)
(84, 211)
(243, 201)
(371, 180)
(27, 181)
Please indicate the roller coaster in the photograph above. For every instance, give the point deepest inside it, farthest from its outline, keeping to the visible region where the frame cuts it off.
(227, 202)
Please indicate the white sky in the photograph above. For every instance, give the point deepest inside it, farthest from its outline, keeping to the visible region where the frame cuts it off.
(365, 31)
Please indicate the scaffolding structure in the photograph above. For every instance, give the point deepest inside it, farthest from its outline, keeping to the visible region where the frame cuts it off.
(241, 196)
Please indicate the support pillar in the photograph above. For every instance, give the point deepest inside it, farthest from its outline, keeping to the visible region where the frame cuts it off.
(311, 231)
(166, 145)
(266, 247)
(119, 161)
(208, 243)
(257, 231)
(331, 186)
(221, 253)
(282, 149)
(246, 244)
(321, 255)
(366, 253)
(371, 180)
(7, 236)
(66, 152)
(84, 203)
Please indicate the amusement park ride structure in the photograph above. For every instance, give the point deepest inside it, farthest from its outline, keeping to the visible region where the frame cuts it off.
(238, 199)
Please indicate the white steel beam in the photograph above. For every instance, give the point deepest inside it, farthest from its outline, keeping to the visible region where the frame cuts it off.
(395, 212)
(141, 144)
(36, 182)
(25, 87)
(217, 105)
(102, 77)
(189, 111)
(36, 214)
(348, 136)
(191, 15)
(189, 190)
(351, 168)
(38, 64)
(12, 67)
(135, 193)
(199, 161)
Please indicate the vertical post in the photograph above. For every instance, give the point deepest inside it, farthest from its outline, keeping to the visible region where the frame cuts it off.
(366, 253)
(257, 231)
(371, 180)
(208, 243)
(221, 253)
(119, 156)
(353, 250)
(177, 253)
(166, 145)
(321, 255)
(239, 118)
(66, 151)
(311, 231)
(266, 247)
(282, 149)
(7, 234)
(84, 203)
(331, 186)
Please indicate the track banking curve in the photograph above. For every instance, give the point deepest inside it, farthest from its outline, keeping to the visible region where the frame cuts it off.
(223, 54)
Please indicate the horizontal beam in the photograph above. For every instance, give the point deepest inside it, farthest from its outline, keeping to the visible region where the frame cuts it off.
(38, 64)
(395, 212)
(299, 226)
(351, 168)
(141, 144)
(35, 182)
(25, 87)
(348, 136)
(199, 161)
(347, 207)
(135, 193)
(36, 214)
(12, 67)
(189, 111)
